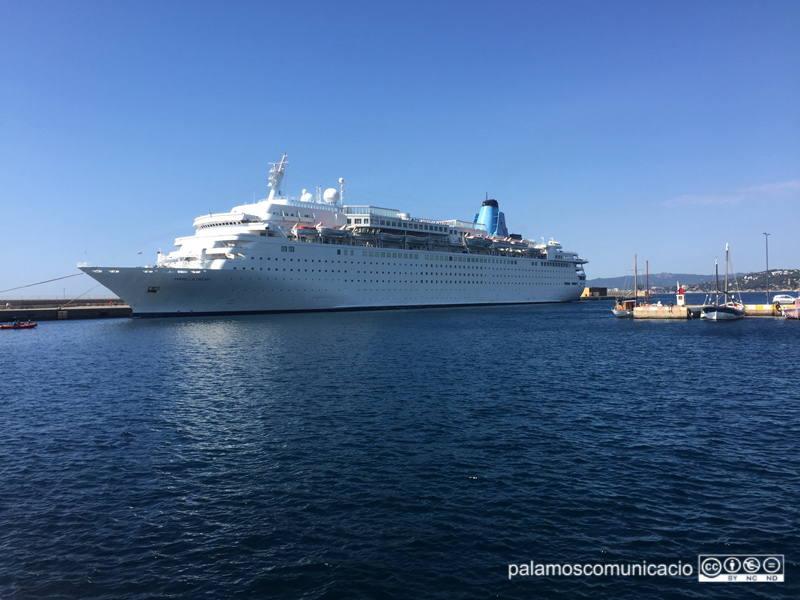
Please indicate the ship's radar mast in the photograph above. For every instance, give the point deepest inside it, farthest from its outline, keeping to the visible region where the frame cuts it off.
(276, 177)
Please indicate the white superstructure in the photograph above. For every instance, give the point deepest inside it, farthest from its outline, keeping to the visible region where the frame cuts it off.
(315, 253)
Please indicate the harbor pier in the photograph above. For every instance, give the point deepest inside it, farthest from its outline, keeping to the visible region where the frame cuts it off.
(656, 311)
(762, 310)
(52, 310)
(663, 311)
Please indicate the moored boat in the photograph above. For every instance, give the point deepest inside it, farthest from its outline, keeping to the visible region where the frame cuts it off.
(792, 312)
(729, 308)
(261, 257)
(624, 307)
(728, 311)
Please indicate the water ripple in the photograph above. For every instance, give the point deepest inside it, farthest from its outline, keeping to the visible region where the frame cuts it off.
(412, 454)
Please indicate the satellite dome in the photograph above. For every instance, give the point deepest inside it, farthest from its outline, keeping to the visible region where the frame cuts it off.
(307, 196)
(331, 196)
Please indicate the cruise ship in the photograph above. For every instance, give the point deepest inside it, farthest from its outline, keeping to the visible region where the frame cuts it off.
(316, 253)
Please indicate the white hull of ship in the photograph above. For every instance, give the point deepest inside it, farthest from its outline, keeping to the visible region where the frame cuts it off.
(323, 277)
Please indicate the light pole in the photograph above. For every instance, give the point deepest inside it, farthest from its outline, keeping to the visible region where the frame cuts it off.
(766, 240)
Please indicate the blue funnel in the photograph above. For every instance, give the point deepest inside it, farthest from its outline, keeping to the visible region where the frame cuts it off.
(494, 220)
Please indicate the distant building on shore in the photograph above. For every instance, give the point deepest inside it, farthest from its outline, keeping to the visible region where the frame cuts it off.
(594, 292)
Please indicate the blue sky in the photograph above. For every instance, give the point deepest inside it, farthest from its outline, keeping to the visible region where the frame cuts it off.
(664, 129)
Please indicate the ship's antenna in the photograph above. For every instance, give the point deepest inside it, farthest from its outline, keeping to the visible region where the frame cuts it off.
(276, 176)
(341, 188)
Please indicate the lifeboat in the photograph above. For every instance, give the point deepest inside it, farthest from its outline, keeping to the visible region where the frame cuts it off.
(392, 237)
(332, 231)
(304, 230)
(477, 241)
(417, 239)
(502, 243)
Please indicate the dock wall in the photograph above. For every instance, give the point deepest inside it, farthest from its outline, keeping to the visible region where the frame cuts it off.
(65, 313)
(685, 312)
(653, 311)
(762, 310)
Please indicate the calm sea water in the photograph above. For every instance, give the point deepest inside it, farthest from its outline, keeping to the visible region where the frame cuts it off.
(407, 454)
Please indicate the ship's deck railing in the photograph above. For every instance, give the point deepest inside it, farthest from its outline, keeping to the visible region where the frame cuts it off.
(391, 213)
(434, 243)
(371, 210)
(466, 224)
(296, 202)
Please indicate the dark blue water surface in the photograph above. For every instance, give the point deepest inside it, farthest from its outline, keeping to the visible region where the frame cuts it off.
(406, 454)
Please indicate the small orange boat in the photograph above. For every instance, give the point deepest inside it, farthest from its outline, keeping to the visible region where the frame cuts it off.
(18, 325)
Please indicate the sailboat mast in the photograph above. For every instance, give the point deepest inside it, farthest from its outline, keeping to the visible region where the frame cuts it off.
(647, 284)
(635, 282)
(716, 279)
(726, 272)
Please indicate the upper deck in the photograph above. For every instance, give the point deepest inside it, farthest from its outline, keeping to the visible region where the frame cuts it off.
(324, 218)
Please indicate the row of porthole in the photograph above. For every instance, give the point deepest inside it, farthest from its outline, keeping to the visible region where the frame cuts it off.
(462, 258)
(339, 271)
(440, 282)
(546, 264)
(358, 262)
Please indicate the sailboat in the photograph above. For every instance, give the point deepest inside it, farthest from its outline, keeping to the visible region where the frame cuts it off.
(729, 309)
(624, 307)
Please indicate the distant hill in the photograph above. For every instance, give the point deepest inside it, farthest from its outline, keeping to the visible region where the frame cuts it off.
(779, 279)
(656, 280)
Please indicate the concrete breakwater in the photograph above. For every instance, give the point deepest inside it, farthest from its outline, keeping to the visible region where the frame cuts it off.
(55, 310)
(659, 311)
(52, 310)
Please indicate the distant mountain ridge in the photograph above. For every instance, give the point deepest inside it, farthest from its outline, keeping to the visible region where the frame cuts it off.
(779, 279)
(656, 280)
